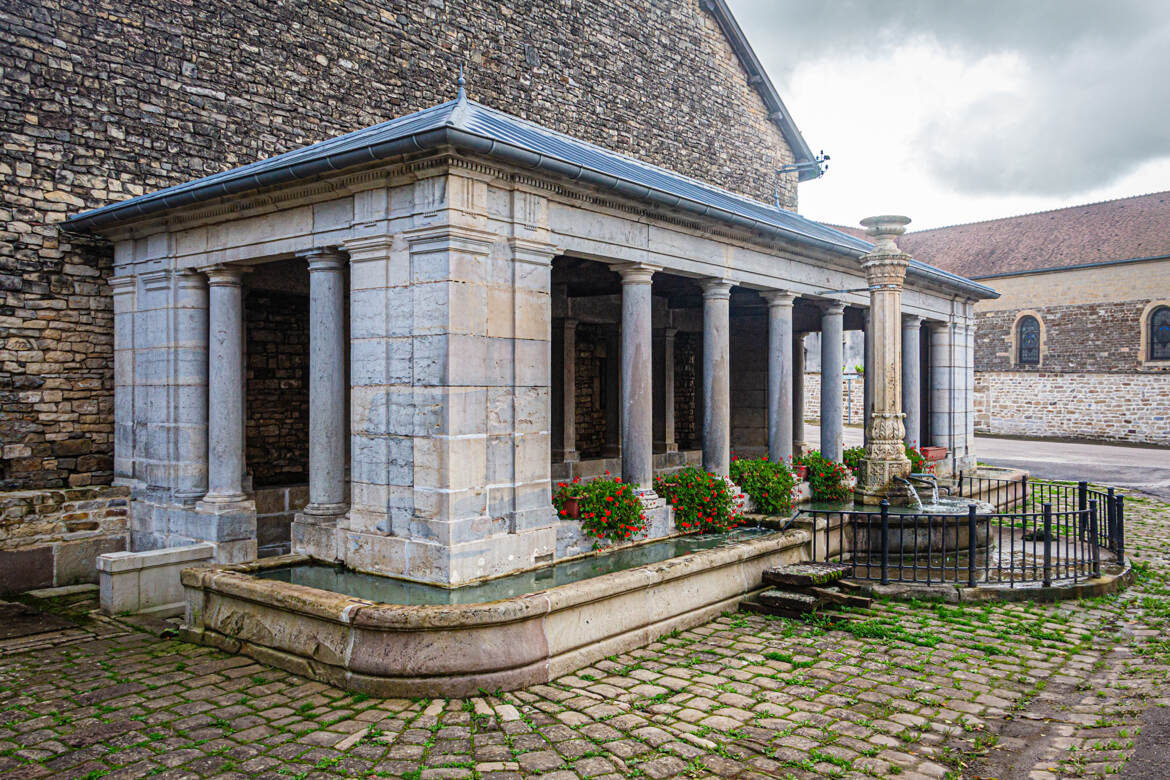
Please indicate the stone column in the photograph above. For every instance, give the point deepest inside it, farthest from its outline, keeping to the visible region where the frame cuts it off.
(798, 442)
(637, 407)
(664, 440)
(124, 289)
(565, 423)
(885, 270)
(780, 377)
(327, 384)
(912, 379)
(832, 381)
(716, 375)
(191, 380)
(942, 390)
(225, 462)
(867, 375)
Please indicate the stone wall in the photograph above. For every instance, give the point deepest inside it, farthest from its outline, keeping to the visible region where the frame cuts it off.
(1090, 337)
(1127, 407)
(591, 391)
(687, 431)
(749, 384)
(277, 354)
(853, 404)
(52, 537)
(109, 99)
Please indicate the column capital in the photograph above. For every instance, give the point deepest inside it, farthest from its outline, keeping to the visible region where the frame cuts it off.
(568, 323)
(938, 324)
(636, 273)
(912, 320)
(120, 285)
(778, 298)
(325, 258)
(224, 275)
(525, 250)
(368, 247)
(831, 307)
(716, 287)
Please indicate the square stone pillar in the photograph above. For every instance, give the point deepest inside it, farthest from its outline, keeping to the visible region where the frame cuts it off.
(664, 437)
(451, 332)
(124, 292)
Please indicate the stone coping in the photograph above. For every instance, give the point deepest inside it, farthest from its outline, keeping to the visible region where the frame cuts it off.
(1109, 582)
(116, 562)
(454, 650)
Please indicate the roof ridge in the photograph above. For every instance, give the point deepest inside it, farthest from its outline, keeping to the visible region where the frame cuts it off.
(1039, 212)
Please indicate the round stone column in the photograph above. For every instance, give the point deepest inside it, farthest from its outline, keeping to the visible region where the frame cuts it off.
(780, 378)
(912, 379)
(225, 385)
(885, 269)
(716, 376)
(327, 385)
(832, 381)
(637, 376)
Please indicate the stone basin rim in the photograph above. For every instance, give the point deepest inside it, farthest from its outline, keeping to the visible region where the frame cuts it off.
(236, 580)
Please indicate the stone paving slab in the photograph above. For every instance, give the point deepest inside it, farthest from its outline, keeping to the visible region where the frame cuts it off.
(902, 689)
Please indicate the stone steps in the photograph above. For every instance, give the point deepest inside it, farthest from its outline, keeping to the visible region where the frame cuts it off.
(803, 588)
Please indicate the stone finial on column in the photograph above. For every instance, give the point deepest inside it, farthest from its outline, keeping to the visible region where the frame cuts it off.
(885, 270)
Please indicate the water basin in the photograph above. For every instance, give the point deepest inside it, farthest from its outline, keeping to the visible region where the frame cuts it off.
(389, 590)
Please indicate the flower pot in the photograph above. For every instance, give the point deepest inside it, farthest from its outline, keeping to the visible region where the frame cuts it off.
(934, 453)
(801, 472)
(572, 507)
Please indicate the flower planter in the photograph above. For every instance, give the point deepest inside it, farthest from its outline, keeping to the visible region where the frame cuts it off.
(572, 507)
(801, 473)
(934, 453)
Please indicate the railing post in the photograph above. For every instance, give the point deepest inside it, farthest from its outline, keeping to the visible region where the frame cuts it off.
(1095, 549)
(1082, 505)
(1111, 522)
(885, 542)
(1119, 519)
(971, 529)
(1024, 498)
(1047, 545)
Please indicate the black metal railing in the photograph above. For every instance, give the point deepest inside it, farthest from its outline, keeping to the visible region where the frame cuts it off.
(1042, 533)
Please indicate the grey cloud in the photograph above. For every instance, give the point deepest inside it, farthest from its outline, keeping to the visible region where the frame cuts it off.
(1098, 103)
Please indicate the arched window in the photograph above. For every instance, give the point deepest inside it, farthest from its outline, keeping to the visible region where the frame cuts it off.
(1160, 333)
(1029, 342)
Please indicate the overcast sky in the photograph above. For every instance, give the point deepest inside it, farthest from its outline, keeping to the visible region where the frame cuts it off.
(954, 111)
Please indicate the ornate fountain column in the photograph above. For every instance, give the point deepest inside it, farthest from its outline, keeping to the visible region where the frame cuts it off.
(885, 270)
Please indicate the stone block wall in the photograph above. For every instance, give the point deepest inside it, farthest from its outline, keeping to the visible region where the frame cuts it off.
(1126, 407)
(1091, 337)
(277, 354)
(853, 405)
(52, 537)
(109, 99)
(686, 374)
(275, 509)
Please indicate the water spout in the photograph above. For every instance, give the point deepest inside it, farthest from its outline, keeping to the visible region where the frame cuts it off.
(911, 493)
(932, 479)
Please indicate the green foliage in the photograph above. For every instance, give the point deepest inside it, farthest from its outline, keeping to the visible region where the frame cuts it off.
(827, 478)
(852, 458)
(770, 484)
(608, 508)
(701, 501)
(917, 462)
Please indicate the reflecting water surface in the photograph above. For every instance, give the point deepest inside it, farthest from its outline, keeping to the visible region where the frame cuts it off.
(395, 591)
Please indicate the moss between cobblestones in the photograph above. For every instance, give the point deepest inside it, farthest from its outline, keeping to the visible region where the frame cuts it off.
(908, 688)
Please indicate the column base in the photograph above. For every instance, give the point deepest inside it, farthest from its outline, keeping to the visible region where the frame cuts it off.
(665, 446)
(565, 456)
(316, 536)
(877, 482)
(325, 511)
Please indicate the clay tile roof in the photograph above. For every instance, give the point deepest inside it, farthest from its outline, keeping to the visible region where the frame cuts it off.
(1124, 229)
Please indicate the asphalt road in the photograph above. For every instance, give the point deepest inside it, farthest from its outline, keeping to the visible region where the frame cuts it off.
(1145, 469)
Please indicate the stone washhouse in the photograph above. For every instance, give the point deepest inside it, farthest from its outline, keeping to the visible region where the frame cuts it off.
(493, 306)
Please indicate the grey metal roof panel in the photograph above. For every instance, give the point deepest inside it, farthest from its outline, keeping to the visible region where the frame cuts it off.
(471, 126)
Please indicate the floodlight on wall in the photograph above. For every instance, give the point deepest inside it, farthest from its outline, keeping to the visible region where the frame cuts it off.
(820, 163)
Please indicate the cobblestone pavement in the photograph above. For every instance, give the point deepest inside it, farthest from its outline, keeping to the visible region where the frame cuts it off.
(907, 689)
